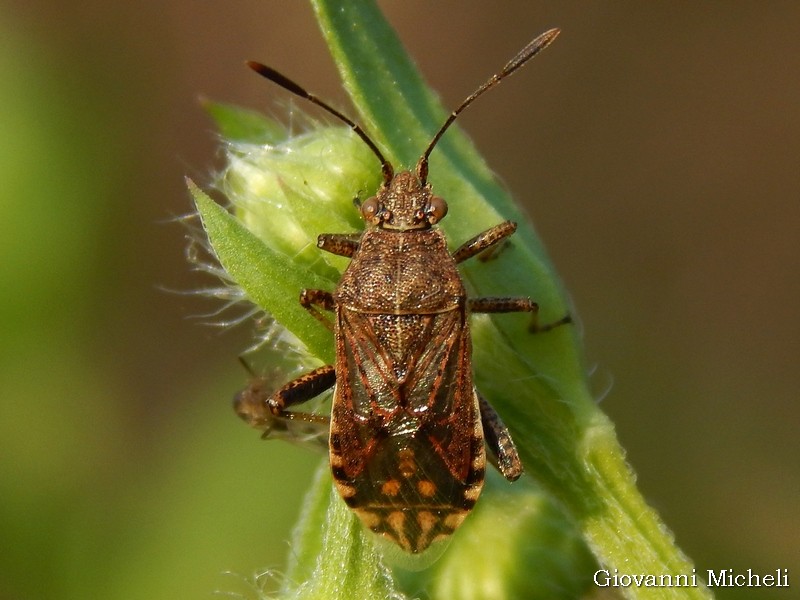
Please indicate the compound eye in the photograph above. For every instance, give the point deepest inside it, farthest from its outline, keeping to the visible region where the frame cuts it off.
(370, 210)
(437, 209)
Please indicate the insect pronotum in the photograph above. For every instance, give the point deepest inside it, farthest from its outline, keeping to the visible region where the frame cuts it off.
(407, 425)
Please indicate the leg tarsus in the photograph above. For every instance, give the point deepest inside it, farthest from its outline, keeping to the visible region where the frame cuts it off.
(534, 327)
(518, 304)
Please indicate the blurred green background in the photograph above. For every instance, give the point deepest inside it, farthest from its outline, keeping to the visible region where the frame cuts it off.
(656, 146)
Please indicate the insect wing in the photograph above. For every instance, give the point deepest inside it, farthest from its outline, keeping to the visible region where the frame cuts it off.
(406, 444)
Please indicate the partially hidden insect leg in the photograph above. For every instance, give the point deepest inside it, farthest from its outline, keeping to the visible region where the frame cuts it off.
(301, 390)
(312, 299)
(502, 451)
(252, 406)
(504, 305)
(305, 428)
(268, 412)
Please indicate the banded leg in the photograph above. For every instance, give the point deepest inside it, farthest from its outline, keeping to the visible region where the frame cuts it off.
(498, 440)
(307, 429)
(251, 404)
(301, 390)
(341, 244)
(311, 299)
(504, 305)
(485, 242)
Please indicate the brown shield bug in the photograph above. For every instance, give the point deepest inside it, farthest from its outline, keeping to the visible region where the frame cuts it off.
(407, 426)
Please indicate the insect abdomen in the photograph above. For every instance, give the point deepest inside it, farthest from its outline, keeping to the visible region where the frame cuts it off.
(406, 492)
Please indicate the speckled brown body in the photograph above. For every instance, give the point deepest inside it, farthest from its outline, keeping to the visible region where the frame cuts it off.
(406, 442)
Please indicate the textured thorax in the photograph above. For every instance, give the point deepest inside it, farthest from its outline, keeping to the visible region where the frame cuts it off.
(400, 273)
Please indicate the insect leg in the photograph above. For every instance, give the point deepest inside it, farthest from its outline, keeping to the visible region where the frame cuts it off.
(300, 427)
(300, 390)
(504, 305)
(501, 447)
(485, 242)
(311, 299)
(341, 244)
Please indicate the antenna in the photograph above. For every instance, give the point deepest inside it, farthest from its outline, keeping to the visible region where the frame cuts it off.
(528, 52)
(288, 84)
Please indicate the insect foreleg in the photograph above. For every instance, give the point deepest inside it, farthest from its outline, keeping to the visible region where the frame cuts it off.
(341, 244)
(498, 441)
(504, 305)
(485, 242)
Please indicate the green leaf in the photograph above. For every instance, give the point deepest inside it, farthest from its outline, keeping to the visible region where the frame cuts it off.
(321, 566)
(270, 279)
(535, 551)
(236, 124)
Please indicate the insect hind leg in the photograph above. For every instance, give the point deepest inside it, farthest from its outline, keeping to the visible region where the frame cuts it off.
(302, 389)
(502, 451)
(304, 428)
